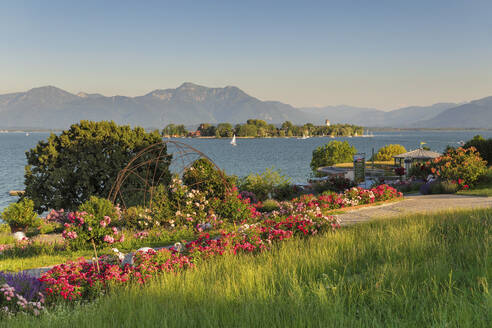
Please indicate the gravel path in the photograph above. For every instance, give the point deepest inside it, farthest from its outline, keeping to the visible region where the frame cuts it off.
(416, 204)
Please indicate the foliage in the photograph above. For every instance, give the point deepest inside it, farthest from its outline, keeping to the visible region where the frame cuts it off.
(5, 228)
(232, 209)
(249, 195)
(224, 130)
(483, 146)
(259, 128)
(138, 217)
(419, 171)
(483, 187)
(266, 184)
(332, 153)
(408, 186)
(448, 187)
(93, 228)
(463, 165)
(400, 171)
(101, 207)
(269, 205)
(204, 176)
(174, 130)
(20, 215)
(333, 183)
(83, 161)
(387, 152)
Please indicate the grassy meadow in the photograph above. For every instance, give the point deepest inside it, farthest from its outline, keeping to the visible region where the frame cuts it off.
(417, 271)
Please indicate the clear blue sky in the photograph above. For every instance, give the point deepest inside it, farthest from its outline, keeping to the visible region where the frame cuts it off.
(381, 54)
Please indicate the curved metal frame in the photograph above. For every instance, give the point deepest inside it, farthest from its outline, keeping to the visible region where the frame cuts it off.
(150, 180)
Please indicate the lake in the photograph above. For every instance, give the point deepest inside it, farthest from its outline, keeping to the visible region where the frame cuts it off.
(291, 155)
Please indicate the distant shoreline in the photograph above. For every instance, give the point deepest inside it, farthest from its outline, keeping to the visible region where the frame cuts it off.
(373, 129)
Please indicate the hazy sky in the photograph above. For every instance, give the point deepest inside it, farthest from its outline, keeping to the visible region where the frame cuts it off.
(383, 54)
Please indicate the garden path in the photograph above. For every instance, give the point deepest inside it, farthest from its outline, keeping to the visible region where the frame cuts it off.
(413, 204)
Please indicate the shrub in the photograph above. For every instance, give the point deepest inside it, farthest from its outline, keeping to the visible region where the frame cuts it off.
(410, 186)
(286, 191)
(334, 183)
(266, 184)
(387, 152)
(419, 171)
(332, 153)
(449, 187)
(269, 205)
(249, 195)
(138, 217)
(233, 209)
(20, 215)
(101, 207)
(483, 146)
(204, 176)
(84, 161)
(462, 165)
(93, 228)
(400, 171)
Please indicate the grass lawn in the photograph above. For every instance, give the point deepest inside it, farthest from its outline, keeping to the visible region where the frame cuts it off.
(418, 271)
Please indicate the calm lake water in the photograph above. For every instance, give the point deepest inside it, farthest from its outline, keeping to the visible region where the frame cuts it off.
(291, 156)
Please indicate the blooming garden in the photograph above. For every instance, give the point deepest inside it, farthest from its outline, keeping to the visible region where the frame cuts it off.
(197, 223)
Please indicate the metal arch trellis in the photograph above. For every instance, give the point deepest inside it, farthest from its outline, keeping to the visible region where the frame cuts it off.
(144, 167)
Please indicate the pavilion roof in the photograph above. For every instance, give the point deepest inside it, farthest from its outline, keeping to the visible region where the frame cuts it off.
(419, 154)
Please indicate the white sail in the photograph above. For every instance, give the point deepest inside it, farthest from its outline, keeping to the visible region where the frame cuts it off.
(233, 141)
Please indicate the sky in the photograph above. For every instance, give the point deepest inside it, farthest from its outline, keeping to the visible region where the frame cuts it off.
(380, 54)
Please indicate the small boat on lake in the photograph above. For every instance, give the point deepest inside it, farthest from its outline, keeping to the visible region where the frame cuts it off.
(233, 141)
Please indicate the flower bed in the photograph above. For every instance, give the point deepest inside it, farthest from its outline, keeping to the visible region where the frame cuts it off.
(82, 280)
(249, 231)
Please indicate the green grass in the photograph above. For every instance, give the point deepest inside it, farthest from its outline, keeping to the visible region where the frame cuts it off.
(419, 271)
(32, 259)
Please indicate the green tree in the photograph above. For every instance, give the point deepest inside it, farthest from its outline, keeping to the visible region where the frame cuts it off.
(483, 146)
(248, 130)
(174, 130)
(204, 176)
(83, 161)
(332, 153)
(387, 152)
(224, 130)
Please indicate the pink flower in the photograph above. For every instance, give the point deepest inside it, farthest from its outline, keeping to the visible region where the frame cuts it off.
(108, 239)
(103, 223)
(115, 231)
(107, 219)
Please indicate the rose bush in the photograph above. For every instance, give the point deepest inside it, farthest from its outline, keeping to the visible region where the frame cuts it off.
(460, 164)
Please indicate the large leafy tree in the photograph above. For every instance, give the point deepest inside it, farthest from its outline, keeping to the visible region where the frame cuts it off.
(387, 152)
(332, 153)
(83, 161)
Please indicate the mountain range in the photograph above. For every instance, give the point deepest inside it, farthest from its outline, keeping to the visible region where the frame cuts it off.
(190, 104)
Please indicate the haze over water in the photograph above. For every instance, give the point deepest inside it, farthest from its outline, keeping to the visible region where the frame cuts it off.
(291, 155)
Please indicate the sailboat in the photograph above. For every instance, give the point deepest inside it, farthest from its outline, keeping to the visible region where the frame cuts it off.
(304, 136)
(233, 141)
